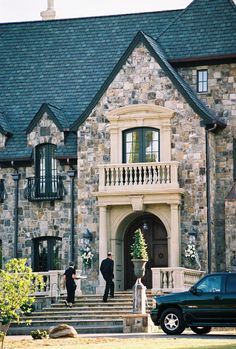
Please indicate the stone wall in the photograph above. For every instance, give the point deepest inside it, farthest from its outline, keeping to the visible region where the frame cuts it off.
(221, 97)
(141, 80)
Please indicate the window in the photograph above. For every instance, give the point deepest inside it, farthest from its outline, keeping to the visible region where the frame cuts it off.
(231, 284)
(2, 190)
(141, 145)
(47, 253)
(46, 170)
(210, 284)
(202, 81)
(234, 159)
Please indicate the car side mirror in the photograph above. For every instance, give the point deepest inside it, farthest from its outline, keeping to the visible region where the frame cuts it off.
(193, 290)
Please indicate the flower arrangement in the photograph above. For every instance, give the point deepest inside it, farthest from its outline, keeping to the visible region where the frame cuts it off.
(87, 257)
(190, 252)
(192, 255)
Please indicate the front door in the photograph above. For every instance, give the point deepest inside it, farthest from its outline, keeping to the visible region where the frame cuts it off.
(156, 238)
(47, 254)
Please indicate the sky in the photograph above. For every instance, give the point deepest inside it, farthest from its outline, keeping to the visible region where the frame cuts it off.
(29, 10)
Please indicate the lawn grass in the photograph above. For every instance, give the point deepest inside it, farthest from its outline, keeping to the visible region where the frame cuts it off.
(160, 342)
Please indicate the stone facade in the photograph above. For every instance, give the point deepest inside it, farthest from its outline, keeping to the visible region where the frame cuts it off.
(141, 80)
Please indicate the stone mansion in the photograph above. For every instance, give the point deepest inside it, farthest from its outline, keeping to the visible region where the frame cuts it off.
(113, 123)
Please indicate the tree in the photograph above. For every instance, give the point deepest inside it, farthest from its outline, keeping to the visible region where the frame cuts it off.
(139, 247)
(18, 283)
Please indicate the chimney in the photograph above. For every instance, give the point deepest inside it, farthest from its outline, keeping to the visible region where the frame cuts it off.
(50, 13)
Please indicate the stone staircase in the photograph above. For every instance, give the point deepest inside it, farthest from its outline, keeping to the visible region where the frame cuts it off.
(88, 315)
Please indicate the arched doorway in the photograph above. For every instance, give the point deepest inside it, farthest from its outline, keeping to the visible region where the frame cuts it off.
(47, 253)
(155, 236)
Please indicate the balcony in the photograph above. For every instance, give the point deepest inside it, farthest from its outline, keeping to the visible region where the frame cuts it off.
(43, 188)
(138, 177)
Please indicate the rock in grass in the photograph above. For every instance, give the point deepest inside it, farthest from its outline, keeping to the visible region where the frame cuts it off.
(62, 330)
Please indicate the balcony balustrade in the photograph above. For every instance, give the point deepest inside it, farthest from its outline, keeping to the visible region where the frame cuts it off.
(43, 188)
(113, 177)
(176, 279)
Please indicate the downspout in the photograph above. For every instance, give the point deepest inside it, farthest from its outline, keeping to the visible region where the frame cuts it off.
(16, 178)
(208, 197)
(71, 174)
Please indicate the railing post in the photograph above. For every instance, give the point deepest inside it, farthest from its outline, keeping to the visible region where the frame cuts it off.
(174, 173)
(156, 279)
(178, 278)
(54, 283)
(101, 178)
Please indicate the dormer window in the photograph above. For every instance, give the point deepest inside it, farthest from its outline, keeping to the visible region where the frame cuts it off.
(46, 185)
(202, 81)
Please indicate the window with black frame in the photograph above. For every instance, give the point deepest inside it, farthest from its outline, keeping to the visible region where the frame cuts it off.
(46, 180)
(141, 144)
(2, 190)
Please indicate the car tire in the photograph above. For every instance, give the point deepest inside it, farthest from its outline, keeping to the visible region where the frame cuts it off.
(172, 321)
(200, 330)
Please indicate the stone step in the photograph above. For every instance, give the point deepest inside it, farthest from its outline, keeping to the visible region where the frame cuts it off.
(83, 326)
(80, 329)
(88, 315)
(78, 312)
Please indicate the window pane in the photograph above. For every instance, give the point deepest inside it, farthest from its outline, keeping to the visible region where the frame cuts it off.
(231, 284)
(151, 146)
(210, 284)
(132, 146)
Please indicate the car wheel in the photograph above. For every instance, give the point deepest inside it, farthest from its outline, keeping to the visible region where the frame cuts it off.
(172, 321)
(200, 330)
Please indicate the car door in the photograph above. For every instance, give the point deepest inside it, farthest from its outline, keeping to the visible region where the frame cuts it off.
(229, 300)
(204, 304)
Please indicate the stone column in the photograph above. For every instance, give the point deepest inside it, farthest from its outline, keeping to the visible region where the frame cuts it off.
(174, 240)
(102, 244)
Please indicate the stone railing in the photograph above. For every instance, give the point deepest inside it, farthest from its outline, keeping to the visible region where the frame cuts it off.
(141, 175)
(176, 279)
(55, 284)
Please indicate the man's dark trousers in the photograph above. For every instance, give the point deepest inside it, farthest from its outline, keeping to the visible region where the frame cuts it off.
(109, 288)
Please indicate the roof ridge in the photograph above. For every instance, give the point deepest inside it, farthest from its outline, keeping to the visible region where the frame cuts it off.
(233, 4)
(38, 21)
(175, 19)
(185, 89)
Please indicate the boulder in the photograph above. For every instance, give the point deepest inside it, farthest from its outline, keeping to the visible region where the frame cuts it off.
(62, 330)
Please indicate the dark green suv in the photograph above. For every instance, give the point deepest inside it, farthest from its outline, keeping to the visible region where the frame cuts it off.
(210, 302)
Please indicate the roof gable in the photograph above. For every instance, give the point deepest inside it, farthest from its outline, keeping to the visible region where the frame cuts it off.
(54, 113)
(204, 29)
(207, 115)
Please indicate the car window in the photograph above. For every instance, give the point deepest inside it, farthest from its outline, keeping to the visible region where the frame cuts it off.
(210, 284)
(231, 284)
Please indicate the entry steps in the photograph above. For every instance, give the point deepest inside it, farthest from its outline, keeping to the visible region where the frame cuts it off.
(88, 315)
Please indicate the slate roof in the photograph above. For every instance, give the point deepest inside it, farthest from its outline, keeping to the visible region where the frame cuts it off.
(204, 28)
(4, 126)
(64, 63)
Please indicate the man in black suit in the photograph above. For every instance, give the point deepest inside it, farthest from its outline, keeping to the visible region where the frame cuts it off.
(107, 270)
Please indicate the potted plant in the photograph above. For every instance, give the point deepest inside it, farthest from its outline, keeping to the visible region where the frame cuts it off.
(139, 254)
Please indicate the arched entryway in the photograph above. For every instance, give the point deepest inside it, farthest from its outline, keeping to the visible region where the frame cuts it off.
(155, 236)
